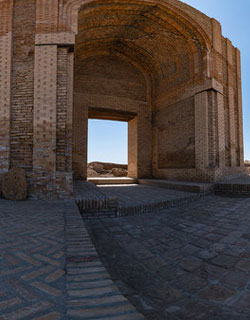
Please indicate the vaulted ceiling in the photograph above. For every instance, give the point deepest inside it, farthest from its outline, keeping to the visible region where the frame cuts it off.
(162, 44)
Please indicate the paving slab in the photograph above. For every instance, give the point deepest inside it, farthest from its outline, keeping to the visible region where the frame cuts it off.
(136, 194)
(49, 268)
(196, 187)
(122, 200)
(191, 262)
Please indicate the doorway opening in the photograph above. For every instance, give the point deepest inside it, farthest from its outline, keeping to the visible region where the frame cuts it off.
(107, 148)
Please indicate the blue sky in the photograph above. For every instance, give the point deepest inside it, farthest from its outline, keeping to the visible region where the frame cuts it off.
(108, 139)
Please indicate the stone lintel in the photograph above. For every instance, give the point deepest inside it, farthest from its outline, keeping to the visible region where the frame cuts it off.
(62, 39)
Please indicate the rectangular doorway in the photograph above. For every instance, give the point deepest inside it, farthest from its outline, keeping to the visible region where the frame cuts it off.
(107, 148)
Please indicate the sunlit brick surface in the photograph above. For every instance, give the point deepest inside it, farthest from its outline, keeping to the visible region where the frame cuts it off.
(162, 66)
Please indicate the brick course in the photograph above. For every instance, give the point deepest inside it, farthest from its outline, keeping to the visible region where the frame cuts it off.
(22, 86)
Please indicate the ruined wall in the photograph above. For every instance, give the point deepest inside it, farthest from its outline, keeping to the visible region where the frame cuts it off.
(160, 65)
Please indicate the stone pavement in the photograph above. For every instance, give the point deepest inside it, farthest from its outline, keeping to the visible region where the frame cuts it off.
(182, 263)
(123, 200)
(136, 194)
(49, 268)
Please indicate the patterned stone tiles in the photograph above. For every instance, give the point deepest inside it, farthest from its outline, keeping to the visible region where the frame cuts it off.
(92, 295)
(29, 230)
(191, 262)
(49, 268)
(124, 200)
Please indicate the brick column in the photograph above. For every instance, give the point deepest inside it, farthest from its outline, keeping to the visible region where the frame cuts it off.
(240, 117)
(230, 94)
(133, 148)
(201, 131)
(144, 148)
(221, 129)
(52, 151)
(209, 131)
(80, 138)
(45, 101)
(5, 94)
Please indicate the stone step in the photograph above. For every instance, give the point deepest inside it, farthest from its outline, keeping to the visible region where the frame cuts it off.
(234, 188)
(112, 180)
(195, 187)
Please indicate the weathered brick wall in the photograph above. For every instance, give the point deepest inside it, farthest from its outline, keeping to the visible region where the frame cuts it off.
(47, 16)
(52, 176)
(6, 11)
(6, 14)
(62, 103)
(176, 135)
(165, 61)
(213, 146)
(111, 85)
(24, 20)
(105, 77)
(226, 69)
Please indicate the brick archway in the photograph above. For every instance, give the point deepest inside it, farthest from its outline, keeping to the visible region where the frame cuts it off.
(192, 75)
(171, 56)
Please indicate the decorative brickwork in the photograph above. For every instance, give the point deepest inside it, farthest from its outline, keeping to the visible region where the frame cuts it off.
(61, 133)
(5, 89)
(22, 86)
(6, 16)
(160, 65)
(6, 12)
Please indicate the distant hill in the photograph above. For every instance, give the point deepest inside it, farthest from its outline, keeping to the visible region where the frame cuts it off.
(107, 169)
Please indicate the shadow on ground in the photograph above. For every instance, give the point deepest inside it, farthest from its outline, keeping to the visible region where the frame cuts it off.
(184, 263)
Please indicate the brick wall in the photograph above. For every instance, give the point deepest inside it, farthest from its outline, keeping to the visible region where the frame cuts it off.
(136, 60)
(176, 135)
(114, 85)
(61, 126)
(6, 14)
(21, 144)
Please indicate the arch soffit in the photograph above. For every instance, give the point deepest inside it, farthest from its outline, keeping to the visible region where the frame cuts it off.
(68, 18)
(196, 38)
(144, 65)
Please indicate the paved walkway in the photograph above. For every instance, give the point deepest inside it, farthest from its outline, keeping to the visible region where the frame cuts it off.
(49, 268)
(123, 200)
(136, 194)
(129, 195)
(186, 263)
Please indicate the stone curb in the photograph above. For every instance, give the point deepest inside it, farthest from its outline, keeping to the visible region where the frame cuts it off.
(91, 292)
(98, 210)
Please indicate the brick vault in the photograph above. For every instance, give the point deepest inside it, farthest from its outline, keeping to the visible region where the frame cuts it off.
(160, 65)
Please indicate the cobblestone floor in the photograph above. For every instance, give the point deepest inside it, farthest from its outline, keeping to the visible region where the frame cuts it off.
(185, 263)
